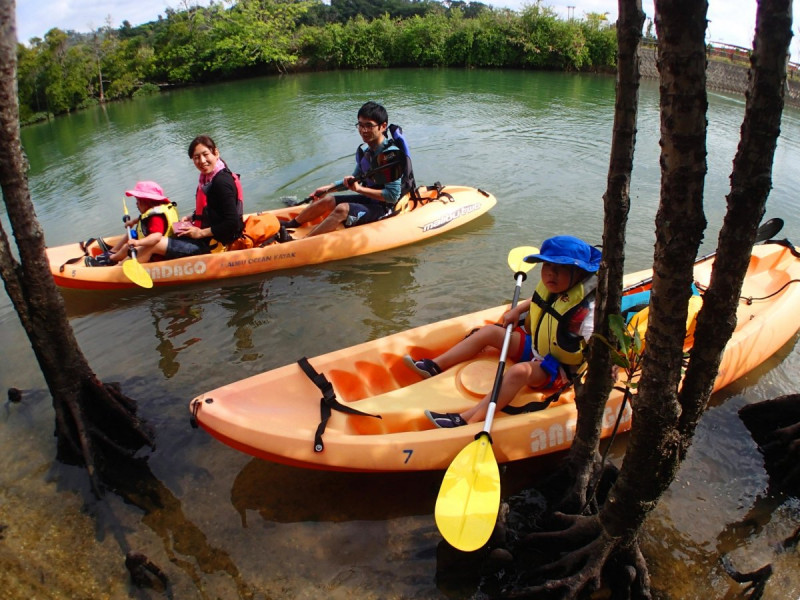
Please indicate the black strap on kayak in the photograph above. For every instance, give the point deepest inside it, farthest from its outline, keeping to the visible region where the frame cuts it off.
(327, 403)
(440, 193)
(535, 406)
(786, 244)
(416, 199)
(85, 247)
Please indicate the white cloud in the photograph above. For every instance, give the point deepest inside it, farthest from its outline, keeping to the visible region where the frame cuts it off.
(37, 17)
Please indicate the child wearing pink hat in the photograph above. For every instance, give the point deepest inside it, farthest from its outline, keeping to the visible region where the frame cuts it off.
(156, 217)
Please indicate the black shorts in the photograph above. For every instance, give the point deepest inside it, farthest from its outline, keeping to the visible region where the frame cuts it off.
(178, 247)
(362, 209)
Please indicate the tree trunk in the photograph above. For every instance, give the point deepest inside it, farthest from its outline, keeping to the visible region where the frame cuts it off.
(95, 423)
(591, 397)
(654, 452)
(599, 550)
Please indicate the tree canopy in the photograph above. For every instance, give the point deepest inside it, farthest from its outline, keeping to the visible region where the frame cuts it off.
(66, 71)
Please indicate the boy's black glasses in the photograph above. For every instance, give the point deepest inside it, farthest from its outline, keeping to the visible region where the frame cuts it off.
(361, 125)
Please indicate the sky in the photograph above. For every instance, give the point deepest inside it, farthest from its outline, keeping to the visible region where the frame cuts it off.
(731, 21)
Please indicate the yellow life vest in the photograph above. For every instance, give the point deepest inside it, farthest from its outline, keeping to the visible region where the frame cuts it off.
(549, 318)
(168, 210)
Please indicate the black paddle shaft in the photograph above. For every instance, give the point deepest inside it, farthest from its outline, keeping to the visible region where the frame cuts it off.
(396, 166)
(767, 230)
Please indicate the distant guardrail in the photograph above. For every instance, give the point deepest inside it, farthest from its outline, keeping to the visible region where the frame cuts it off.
(726, 71)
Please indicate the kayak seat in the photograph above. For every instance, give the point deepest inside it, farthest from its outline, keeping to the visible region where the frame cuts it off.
(639, 320)
(420, 197)
(396, 422)
(403, 409)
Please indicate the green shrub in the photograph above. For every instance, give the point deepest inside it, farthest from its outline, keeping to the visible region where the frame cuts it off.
(147, 89)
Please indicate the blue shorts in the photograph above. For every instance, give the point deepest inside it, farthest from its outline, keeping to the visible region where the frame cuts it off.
(362, 209)
(558, 375)
(525, 348)
(178, 247)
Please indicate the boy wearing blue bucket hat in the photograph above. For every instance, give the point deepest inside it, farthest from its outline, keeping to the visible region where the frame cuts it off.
(549, 348)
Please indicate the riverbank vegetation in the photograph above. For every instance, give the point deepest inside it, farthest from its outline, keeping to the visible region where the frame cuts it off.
(66, 71)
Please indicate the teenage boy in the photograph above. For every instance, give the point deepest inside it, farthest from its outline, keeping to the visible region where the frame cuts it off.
(372, 198)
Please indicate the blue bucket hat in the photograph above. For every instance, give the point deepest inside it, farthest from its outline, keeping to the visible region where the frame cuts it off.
(568, 250)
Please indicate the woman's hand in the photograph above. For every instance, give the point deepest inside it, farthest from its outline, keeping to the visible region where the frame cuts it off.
(193, 232)
(196, 233)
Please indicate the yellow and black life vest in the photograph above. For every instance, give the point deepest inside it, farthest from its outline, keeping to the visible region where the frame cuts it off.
(168, 210)
(554, 321)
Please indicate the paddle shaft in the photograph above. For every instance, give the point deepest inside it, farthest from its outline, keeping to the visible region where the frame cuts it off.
(131, 267)
(131, 249)
(469, 498)
(501, 366)
(360, 179)
(765, 231)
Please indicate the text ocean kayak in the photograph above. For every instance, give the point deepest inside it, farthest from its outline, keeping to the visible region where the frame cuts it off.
(275, 415)
(439, 210)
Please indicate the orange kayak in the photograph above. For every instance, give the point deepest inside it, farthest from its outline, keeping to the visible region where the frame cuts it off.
(437, 212)
(275, 415)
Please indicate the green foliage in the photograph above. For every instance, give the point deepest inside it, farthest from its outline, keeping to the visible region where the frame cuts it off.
(601, 41)
(147, 89)
(422, 41)
(255, 33)
(550, 43)
(628, 349)
(244, 37)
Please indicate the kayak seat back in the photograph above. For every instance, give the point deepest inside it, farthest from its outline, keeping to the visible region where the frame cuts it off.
(640, 319)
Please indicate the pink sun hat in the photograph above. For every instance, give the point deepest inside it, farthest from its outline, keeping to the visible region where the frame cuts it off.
(148, 190)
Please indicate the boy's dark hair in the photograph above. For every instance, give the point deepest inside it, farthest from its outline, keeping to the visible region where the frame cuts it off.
(374, 112)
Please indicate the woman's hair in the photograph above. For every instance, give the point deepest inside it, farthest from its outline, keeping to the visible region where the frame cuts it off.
(202, 139)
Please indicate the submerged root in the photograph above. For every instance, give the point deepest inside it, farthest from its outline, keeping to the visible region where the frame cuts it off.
(144, 573)
(775, 427)
(756, 580)
(574, 557)
(99, 429)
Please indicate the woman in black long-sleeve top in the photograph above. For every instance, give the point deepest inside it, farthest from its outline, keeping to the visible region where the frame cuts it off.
(218, 205)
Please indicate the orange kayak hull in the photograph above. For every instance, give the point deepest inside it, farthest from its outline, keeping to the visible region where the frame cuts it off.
(458, 206)
(274, 415)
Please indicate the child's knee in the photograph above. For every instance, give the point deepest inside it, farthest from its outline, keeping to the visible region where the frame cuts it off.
(537, 376)
(518, 373)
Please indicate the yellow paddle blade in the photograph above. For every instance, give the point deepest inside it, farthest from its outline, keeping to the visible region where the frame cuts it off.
(516, 258)
(137, 273)
(469, 499)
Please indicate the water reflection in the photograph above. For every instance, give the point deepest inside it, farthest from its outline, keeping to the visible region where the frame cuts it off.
(80, 303)
(284, 494)
(177, 316)
(388, 288)
(185, 545)
(247, 306)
